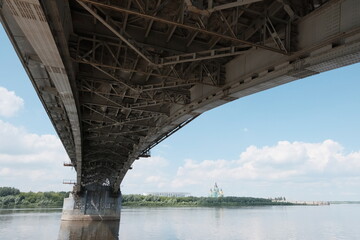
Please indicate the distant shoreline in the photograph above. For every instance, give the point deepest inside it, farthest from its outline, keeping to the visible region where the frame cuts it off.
(344, 202)
(160, 201)
(11, 198)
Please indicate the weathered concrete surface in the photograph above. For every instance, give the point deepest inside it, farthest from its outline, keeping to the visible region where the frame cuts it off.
(89, 230)
(95, 204)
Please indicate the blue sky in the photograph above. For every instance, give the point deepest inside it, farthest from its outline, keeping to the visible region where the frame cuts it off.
(299, 140)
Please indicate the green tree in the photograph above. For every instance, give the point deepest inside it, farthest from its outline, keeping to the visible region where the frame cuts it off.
(6, 191)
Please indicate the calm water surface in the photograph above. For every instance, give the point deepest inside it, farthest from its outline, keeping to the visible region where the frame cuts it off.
(278, 222)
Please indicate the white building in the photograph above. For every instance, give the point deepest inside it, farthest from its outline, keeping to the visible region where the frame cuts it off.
(167, 194)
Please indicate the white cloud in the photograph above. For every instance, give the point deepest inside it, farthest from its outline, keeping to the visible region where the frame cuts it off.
(17, 145)
(31, 161)
(154, 161)
(10, 104)
(153, 179)
(148, 174)
(30, 174)
(285, 161)
(293, 167)
(4, 171)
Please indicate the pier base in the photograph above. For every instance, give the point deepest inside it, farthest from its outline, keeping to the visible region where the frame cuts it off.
(104, 230)
(96, 203)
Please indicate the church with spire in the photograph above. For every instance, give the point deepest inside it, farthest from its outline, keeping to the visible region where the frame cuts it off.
(216, 192)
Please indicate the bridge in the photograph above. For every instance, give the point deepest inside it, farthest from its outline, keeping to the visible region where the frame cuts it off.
(118, 77)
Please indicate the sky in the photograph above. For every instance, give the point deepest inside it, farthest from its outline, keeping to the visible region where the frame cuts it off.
(299, 140)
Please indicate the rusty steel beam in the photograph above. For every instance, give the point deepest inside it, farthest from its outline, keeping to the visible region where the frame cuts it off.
(128, 70)
(181, 25)
(113, 30)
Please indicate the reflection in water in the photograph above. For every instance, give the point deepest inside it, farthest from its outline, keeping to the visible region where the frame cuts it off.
(337, 221)
(76, 230)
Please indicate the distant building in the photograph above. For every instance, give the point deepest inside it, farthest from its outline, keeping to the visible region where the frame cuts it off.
(216, 192)
(167, 194)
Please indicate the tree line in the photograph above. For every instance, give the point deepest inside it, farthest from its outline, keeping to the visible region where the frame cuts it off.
(12, 197)
(158, 201)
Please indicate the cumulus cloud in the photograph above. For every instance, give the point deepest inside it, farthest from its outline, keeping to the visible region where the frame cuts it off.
(291, 165)
(298, 170)
(38, 174)
(148, 174)
(17, 145)
(10, 104)
(31, 158)
(285, 161)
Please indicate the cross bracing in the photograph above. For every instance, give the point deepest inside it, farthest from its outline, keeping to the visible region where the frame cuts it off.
(139, 70)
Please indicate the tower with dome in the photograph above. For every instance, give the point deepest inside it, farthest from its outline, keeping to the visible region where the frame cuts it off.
(216, 192)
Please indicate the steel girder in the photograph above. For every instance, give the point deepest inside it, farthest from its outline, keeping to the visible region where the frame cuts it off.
(139, 61)
(136, 66)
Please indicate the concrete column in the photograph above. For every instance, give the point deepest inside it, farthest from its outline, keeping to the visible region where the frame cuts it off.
(95, 203)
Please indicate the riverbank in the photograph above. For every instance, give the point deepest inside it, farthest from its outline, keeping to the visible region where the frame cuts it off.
(13, 198)
(311, 203)
(157, 201)
(55, 200)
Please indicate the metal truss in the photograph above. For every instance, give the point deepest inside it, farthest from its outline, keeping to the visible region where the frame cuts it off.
(138, 100)
(170, 77)
(151, 96)
(140, 61)
(162, 20)
(203, 55)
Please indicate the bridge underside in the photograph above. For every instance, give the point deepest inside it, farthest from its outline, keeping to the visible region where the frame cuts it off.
(118, 77)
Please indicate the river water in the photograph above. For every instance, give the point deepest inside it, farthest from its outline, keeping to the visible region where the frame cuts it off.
(337, 221)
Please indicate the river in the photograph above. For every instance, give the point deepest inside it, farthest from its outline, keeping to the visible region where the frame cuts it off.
(336, 221)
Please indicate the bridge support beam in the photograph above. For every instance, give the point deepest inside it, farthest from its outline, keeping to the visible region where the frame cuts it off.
(94, 203)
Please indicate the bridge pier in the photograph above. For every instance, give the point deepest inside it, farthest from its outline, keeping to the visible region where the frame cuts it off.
(95, 203)
(89, 230)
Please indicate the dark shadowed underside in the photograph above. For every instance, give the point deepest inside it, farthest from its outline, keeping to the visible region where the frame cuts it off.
(139, 70)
